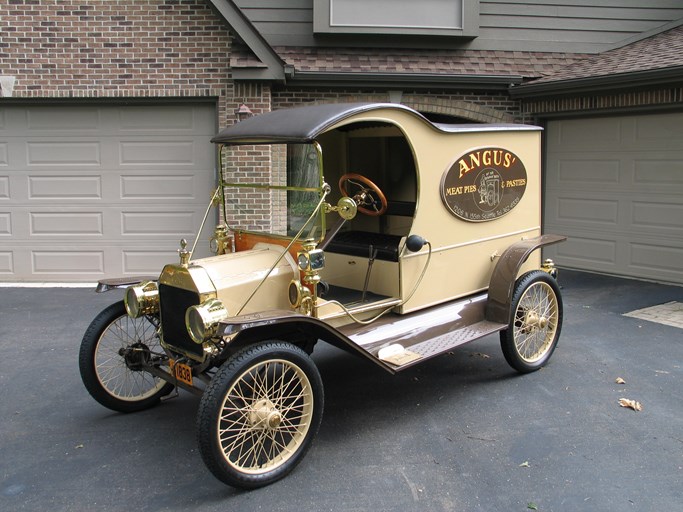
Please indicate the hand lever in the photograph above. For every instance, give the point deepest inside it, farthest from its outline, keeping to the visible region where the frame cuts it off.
(371, 259)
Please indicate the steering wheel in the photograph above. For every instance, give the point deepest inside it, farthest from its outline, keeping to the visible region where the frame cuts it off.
(368, 196)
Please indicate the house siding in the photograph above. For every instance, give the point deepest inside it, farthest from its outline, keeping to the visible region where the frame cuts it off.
(579, 26)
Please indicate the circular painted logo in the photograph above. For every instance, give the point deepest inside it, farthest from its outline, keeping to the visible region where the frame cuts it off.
(483, 184)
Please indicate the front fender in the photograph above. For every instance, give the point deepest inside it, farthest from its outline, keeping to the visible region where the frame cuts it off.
(283, 323)
(104, 285)
(504, 274)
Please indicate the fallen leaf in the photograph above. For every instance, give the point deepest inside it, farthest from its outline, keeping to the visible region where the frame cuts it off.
(627, 402)
(479, 354)
(619, 380)
(532, 506)
(525, 464)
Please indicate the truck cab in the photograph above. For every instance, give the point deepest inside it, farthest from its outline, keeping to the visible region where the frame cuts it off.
(365, 226)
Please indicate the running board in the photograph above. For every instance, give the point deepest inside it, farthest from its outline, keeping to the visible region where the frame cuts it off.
(394, 342)
(398, 342)
(401, 358)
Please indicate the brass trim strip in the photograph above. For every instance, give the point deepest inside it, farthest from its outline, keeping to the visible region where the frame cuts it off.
(471, 242)
(274, 187)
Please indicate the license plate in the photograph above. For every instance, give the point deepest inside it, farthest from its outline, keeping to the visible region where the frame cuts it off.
(182, 372)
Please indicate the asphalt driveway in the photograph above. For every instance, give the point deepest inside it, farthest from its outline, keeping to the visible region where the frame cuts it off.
(462, 432)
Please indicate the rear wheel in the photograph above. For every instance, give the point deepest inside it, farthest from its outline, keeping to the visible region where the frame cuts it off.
(259, 414)
(536, 321)
(113, 353)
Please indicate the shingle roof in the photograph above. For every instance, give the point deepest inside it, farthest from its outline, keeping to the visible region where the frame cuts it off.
(417, 61)
(661, 51)
(470, 62)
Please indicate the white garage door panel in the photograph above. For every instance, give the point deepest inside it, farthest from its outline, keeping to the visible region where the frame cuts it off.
(662, 217)
(99, 191)
(55, 186)
(615, 187)
(585, 251)
(659, 174)
(87, 262)
(157, 153)
(665, 258)
(139, 262)
(158, 223)
(662, 131)
(71, 224)
(67, 261)
(158, 187)
(590, 212)
(30, 226)
(5, 224)
(577, 171)
(6, 263)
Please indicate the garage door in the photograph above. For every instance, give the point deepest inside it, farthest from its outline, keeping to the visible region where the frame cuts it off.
(99, 191)
(615, 187)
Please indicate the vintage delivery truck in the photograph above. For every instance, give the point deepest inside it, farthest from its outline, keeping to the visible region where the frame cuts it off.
(365, 226)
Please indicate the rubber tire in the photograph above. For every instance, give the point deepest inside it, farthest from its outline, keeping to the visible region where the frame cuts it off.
(89, 372)
(507, 337)
(211, 410)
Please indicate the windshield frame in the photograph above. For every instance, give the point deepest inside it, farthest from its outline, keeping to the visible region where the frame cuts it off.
(315, 219)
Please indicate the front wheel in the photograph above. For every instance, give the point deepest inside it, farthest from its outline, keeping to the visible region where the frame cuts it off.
(114, 351)
(259, 414)
(536, 321)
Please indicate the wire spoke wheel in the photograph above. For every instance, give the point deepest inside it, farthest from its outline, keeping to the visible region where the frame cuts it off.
(265, 416)
(535, 326)
(535, 321)
(114, 352)
(259, 414)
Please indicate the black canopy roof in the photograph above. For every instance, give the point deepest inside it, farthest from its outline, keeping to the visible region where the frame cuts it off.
(302, 124)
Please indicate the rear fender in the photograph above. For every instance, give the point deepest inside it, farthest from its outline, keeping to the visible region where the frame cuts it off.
(504, 274)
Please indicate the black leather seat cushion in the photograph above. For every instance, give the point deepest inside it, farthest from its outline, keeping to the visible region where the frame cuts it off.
(357, 243)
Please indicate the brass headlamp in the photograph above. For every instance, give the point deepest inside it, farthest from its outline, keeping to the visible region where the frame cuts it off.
(202, 321)
(142, 299)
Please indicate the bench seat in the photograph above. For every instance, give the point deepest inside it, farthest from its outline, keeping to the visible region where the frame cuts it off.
(357, 243)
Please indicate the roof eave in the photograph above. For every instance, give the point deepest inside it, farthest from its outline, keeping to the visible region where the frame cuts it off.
(400, 80)
(256, 74)
(600, 84)
(245, 30)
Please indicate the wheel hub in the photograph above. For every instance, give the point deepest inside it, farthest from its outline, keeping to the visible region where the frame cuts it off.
(535, 321)
(265, 415)
(136, 356)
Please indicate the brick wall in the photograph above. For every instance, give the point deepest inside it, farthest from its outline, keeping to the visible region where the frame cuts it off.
(485, 108)
(115, 49)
